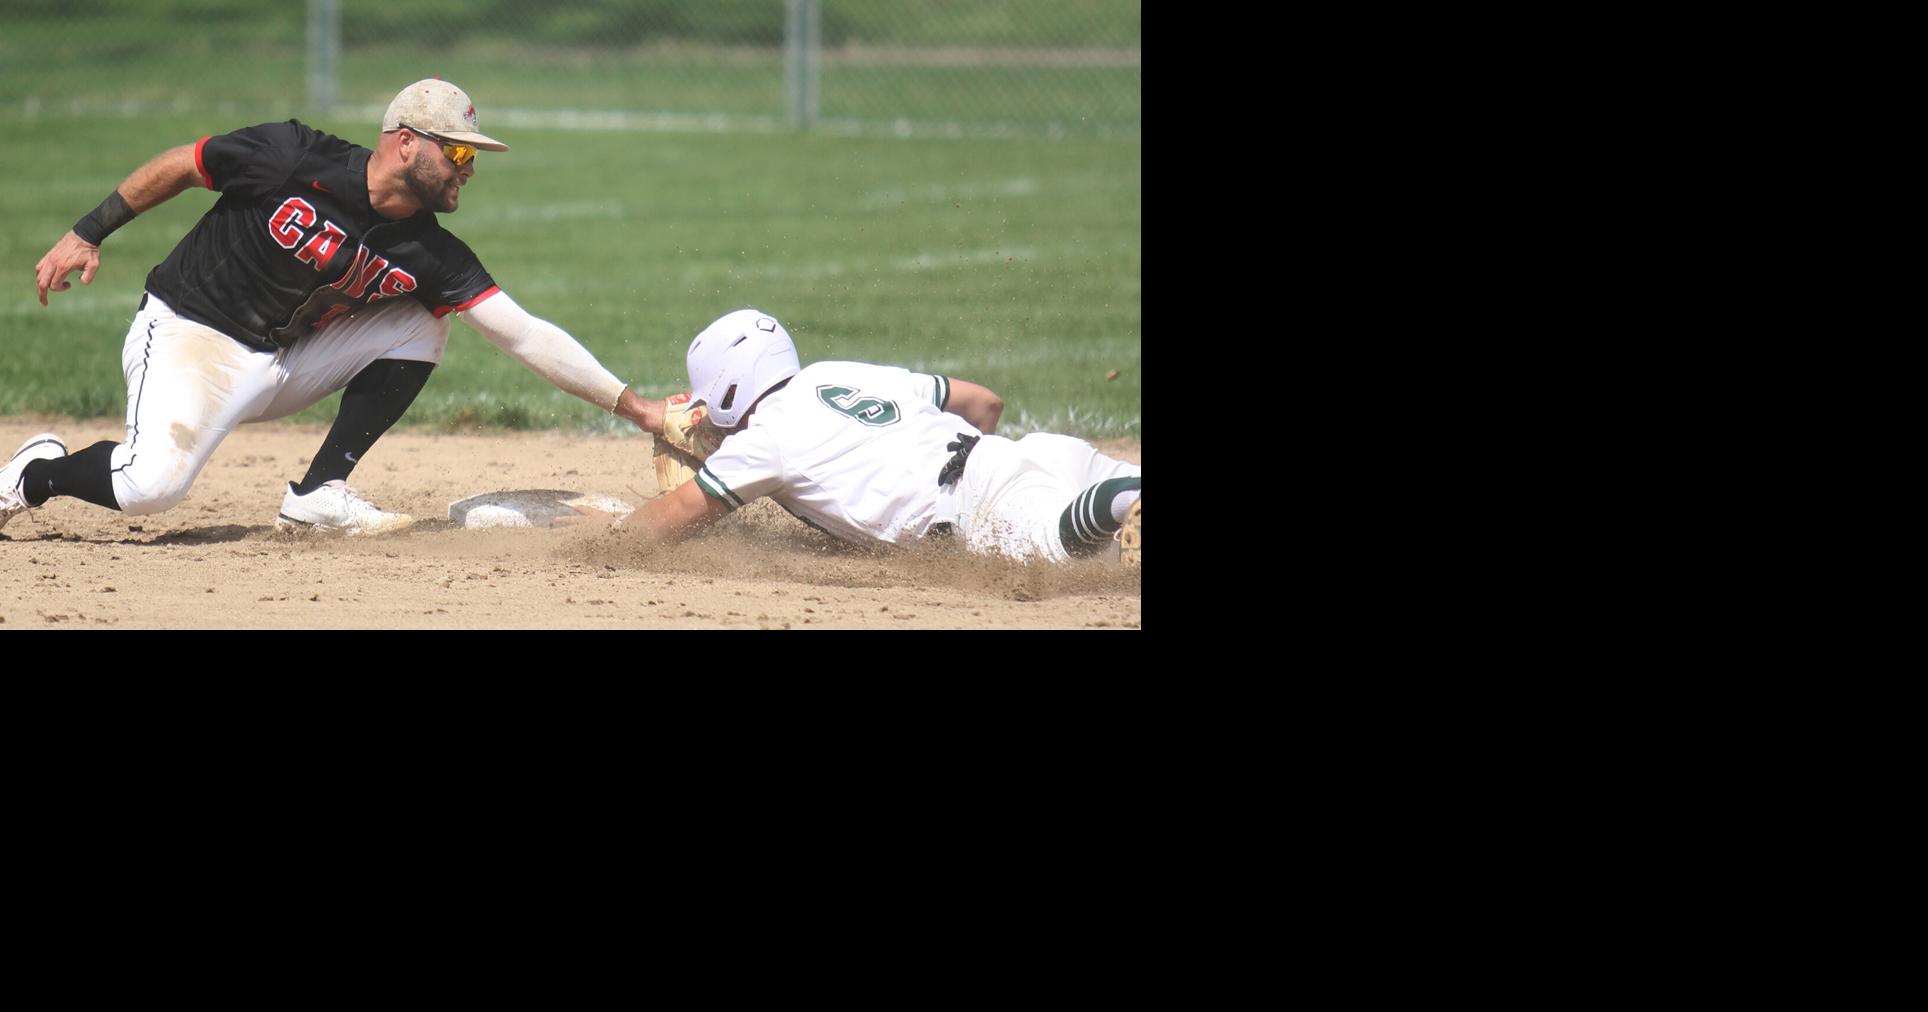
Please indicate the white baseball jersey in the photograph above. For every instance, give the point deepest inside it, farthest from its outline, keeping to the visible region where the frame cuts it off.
(850, 448)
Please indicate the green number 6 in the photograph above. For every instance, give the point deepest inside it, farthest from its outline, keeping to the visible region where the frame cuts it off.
(852, 402)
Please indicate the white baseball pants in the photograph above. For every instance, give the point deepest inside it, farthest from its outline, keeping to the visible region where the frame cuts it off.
(1013, 492)
(188, 386)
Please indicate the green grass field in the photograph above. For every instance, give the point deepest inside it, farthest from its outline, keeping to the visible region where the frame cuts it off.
(1006, 66)
(1014, 261)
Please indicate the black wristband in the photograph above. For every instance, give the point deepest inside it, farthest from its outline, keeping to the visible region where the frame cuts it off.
(103, 220)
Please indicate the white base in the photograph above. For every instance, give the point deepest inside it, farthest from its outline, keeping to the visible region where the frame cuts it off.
(531, 508)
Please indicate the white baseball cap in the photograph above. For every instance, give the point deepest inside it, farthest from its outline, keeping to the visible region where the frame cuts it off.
(437, 107)
(738, 359)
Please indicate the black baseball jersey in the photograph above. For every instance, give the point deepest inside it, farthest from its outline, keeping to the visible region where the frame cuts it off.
(293, 242)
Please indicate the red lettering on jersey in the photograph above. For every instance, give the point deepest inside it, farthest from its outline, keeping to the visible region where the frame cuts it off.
(322, 247)
(361, 257)
(376, 265)
(333, 311)
(397, 282)
(290, 220)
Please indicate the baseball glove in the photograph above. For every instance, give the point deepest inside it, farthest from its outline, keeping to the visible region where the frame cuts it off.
(1130, 537)
(687, 441)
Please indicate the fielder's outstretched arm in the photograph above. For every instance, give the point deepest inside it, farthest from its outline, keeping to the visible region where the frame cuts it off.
(164, 177)
(548, 351)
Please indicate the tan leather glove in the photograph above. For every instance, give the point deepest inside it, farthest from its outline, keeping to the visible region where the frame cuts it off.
(687, 441)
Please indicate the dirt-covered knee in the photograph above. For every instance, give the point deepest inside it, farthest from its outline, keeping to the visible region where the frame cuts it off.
(145, 487)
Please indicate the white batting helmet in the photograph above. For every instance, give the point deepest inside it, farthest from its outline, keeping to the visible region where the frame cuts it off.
(738, 359)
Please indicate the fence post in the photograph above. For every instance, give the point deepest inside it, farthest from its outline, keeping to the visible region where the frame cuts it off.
(801, 43)
(324, 54)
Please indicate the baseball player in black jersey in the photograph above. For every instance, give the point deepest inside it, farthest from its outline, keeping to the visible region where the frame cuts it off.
(322, 267)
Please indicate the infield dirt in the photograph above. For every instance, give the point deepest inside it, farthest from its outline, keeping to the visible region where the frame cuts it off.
(216, 561)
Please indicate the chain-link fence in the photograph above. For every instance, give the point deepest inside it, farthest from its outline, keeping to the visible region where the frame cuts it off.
(921, 67)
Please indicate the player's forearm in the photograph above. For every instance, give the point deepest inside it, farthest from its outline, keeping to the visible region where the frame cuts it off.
(979, 405)
(162, 178)
(546, 350)
(647, 414)
(683, 511)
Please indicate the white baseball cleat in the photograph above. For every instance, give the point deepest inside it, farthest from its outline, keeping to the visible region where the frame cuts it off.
(336, 509)
(45, 446)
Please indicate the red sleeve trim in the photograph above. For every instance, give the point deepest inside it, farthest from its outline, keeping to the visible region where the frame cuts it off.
(202, 166)
(466, 306)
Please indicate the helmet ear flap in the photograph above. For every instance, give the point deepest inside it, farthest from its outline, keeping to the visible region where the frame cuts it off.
(729, 398)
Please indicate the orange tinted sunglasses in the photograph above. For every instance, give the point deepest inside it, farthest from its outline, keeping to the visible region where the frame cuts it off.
(458, 152)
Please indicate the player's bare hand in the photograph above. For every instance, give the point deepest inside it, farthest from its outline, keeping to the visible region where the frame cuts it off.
(647, 414)
(70, 254)
(589, 516)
